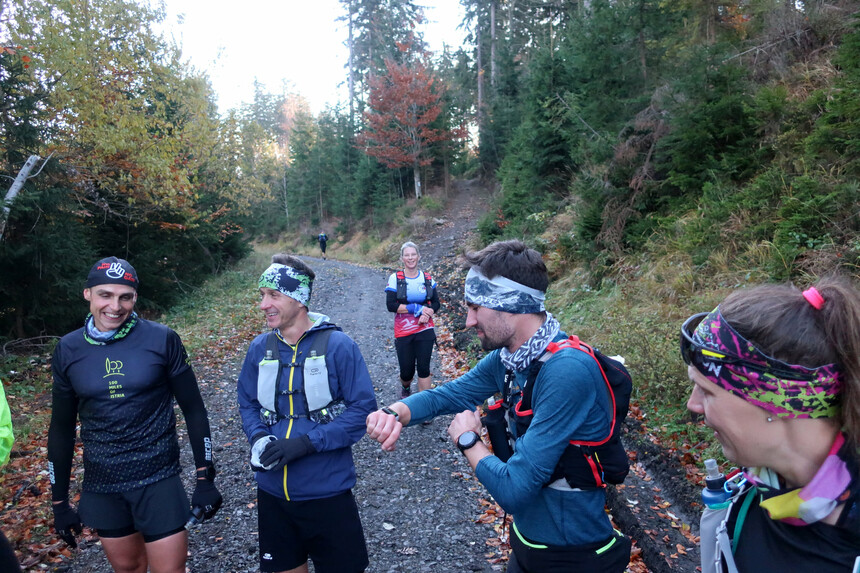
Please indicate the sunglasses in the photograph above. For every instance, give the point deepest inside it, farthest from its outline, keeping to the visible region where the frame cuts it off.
(698, 355)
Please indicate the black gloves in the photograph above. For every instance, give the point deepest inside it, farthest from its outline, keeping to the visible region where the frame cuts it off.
(66, 522)
(280, 452)
(207, 497)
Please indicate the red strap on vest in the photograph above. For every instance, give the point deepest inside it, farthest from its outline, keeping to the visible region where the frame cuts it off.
(596, 471)
(573, 342)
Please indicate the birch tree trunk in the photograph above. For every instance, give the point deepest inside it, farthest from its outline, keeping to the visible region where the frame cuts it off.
(351, 64)
(493, 47)
(480, 65)
(416, 170)
(15, 189)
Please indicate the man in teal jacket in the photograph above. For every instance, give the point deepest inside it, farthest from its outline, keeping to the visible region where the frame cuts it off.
(302, 413)
(557, 527)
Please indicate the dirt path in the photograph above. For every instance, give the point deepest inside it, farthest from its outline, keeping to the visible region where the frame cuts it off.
(419, 504)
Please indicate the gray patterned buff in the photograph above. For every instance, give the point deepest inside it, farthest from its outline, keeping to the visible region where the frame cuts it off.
(533, 348)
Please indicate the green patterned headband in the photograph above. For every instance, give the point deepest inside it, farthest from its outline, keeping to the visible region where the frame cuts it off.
(292, 282)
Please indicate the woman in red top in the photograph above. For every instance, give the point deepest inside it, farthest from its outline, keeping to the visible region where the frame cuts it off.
(411, 295)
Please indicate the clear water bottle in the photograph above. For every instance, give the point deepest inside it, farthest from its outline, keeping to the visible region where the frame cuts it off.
(714, 492)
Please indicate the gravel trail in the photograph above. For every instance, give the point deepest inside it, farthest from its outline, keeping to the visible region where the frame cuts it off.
(418, 504)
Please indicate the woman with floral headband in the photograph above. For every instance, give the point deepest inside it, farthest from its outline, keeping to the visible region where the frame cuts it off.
(777, 376)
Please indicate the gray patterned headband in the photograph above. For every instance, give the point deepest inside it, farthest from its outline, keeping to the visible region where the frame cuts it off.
(502, 294)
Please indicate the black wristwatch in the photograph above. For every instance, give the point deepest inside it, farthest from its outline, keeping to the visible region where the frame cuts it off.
(391, 412)
(467, 440)
(206, 473)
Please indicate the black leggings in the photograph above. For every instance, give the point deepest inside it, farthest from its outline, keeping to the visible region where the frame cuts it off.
(412, 349)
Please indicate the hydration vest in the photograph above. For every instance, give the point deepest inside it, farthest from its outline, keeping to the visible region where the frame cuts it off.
(584, 464)
(401, 287)
(319, 405)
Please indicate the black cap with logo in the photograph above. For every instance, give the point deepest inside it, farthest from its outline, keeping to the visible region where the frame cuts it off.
(112, 270)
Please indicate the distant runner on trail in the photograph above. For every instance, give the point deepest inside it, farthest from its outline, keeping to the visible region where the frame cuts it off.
(323, 239)
(411, 294)
(119, 374)
(559, 522)
(304, 393)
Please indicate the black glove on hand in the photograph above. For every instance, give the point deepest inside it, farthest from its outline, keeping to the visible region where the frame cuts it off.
(67, 523)
(207, 497)
(283, 451)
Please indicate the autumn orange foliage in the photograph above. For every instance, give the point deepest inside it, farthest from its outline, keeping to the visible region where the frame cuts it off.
(404, 103)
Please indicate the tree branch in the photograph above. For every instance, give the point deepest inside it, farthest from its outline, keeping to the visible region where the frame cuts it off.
(585, 123)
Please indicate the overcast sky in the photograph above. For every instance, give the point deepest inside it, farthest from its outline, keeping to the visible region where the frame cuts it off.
(299, 41)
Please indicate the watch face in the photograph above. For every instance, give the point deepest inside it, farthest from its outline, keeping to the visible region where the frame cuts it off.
(467, 440)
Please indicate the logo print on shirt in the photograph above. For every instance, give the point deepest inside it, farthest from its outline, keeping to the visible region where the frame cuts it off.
(113, 368)
(115, 271)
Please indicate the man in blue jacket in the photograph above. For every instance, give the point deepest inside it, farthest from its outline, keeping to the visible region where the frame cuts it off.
(323, 239)
(558, 526)
(304, 394)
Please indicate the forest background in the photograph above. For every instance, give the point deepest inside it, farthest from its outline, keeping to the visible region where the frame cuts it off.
(658, 154)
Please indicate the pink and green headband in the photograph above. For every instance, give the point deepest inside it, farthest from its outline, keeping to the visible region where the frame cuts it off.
(785, 390)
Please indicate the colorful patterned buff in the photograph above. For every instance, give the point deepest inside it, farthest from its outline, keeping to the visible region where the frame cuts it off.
(502, 294)
(815, 394)
(830, 486)
(293, 283)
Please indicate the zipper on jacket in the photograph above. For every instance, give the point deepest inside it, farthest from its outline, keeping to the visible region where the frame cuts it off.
(292, 405)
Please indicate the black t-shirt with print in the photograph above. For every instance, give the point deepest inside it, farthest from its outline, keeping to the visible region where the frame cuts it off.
(124, 402)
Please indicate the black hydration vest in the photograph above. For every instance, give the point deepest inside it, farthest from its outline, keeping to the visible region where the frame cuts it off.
(401, 287)
(584, 464)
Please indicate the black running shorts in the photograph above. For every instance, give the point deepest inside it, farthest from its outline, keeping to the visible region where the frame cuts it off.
(328, 531)
(156, 510)
(412, 350)
(609, 556)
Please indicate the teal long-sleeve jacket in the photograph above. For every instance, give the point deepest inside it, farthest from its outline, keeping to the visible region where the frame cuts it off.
(570, 402)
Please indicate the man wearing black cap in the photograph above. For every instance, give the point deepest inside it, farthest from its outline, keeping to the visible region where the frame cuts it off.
(119, 374)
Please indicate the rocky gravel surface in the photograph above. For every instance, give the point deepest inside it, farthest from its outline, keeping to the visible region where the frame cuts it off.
(421, 508)
(419, 504)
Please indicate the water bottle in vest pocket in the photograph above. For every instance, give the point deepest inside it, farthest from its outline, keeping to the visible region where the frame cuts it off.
(317, 391)
(267, 381)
